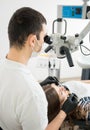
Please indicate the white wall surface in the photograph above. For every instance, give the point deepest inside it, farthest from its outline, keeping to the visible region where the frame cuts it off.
(49, 9)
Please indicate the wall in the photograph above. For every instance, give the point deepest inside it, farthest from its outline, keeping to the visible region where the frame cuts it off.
(49, 10)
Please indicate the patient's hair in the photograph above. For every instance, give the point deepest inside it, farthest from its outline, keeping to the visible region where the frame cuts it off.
(53, 101)
(82, 111)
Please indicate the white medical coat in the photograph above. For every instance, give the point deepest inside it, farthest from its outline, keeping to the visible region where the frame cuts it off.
(23, 105)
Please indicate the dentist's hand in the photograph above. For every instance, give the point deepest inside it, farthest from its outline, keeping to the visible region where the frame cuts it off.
(70, 104)
(49, 80)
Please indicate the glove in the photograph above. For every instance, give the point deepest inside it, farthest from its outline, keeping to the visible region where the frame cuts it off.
(49, 80)
(70, 104)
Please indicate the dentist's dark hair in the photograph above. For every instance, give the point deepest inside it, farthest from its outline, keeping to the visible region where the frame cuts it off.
(25, 21)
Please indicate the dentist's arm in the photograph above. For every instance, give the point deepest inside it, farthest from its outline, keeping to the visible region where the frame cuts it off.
(69, 105)
(56, 123)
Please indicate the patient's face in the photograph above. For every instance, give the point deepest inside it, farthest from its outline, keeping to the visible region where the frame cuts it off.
(62, 92)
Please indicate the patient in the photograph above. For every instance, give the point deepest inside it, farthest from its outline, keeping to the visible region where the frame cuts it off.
(56, 96)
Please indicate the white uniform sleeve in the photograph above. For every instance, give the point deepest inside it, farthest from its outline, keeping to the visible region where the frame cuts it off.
(33, 114)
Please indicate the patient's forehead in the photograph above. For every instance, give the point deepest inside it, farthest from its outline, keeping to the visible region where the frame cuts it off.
(57, 88)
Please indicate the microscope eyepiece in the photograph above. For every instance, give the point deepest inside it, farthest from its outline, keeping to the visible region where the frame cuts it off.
(47, 39)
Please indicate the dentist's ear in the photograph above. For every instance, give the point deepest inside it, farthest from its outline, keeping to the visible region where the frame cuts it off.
(32, 40)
